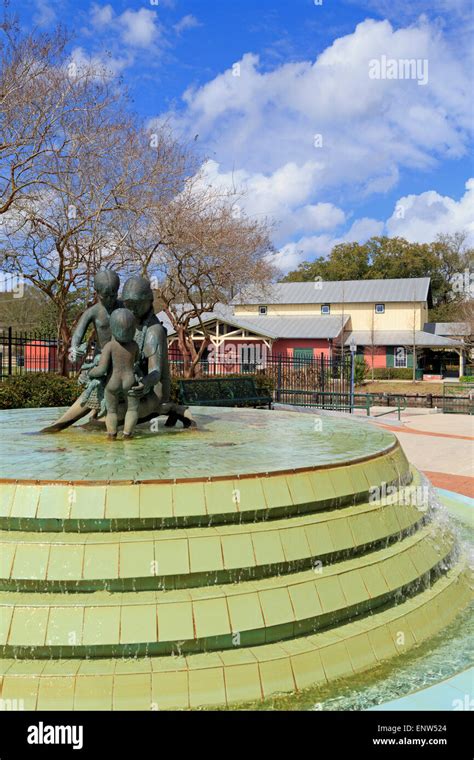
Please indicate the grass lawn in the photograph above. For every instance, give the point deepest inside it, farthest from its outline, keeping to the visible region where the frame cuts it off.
(393, 386)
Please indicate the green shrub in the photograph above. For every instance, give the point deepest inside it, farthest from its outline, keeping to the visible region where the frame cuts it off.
(467, 379)
(37, 389)
(393, 373)
(361, 369)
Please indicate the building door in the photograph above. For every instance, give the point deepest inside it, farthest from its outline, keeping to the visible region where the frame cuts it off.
(302, 356)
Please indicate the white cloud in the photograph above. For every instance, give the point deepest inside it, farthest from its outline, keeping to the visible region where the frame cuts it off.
(288, 186)
(319, 216)
(371, 129)
(417, 218)
(307, 248)
(363, 229)
(138, 29)
(280, 196)
(101, 15)
(420, 218)
(108, 65)
(310, 132)
(187, 22)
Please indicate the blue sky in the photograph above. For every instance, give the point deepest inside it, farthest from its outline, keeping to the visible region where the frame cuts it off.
(280, 96)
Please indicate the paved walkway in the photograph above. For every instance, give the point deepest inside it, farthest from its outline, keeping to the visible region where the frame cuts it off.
(441, 445)
(457, 425)
(458, 483)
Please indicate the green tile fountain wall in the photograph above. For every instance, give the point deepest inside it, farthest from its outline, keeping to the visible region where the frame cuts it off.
(180, 592)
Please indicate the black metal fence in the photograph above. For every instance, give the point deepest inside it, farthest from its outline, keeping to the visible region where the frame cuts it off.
(291, 380)
(322, 382)
(460, 402)
(23, 352)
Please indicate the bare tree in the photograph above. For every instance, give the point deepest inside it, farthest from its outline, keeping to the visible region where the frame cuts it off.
(87, 190)
(31, 105)
(83, 185)
(200, 249)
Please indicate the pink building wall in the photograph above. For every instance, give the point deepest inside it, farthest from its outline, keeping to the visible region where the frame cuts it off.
(282, 346)
(285, 346)
(39, 356)
(379, 356)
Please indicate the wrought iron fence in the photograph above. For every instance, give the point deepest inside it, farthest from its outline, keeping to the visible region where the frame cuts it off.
(23, 352)
(291, 380)
(322, 382)
(453, 395)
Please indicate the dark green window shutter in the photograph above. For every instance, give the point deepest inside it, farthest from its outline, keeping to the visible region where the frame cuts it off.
(389, 357)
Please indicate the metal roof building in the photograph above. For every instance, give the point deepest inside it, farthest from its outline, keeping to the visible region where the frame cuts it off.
(401, 338)
(447, 328)
(273, 327)
(343, 291)
(377, 315)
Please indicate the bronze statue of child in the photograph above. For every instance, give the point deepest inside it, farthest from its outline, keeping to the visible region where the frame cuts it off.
(118, 359)
(106, 286)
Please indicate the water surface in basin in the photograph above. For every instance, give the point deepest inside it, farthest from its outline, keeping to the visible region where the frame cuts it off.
(226, 441)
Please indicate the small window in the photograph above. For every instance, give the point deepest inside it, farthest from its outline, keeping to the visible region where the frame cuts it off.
(262, 309)
(325, 308)
(400, 356)
(380, 308)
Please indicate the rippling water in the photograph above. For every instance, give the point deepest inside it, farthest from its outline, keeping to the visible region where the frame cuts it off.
(226, 442)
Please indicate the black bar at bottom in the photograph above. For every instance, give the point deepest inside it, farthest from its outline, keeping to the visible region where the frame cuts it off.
(237, 733)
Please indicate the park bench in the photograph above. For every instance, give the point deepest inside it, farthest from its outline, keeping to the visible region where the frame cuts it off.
(219, 391)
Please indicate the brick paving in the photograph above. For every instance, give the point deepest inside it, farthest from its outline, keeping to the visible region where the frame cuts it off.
(458, 483)
(456, 458)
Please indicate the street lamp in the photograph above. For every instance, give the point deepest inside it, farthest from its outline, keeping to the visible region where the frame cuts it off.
(353, 348)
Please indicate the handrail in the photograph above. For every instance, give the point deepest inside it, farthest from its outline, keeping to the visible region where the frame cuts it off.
(368, 400)
(399, 408)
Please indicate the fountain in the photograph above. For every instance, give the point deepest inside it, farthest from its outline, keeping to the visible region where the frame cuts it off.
(255, 554)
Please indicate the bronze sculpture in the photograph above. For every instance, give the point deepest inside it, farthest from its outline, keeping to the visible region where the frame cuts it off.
(106, 286)
(154, 387)
(119, 355)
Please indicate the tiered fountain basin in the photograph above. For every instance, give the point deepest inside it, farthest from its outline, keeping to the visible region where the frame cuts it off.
(215, 566)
